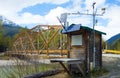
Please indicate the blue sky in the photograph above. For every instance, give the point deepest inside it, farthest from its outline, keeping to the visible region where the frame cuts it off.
(40, 9)
(38, 12)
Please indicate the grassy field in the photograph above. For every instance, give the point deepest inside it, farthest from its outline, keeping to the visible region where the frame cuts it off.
(111, 69)
(4, 56)
(19, 71)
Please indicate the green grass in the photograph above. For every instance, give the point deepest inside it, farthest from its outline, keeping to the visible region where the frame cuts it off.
(4, 57)
(98, 72)
(19, 71)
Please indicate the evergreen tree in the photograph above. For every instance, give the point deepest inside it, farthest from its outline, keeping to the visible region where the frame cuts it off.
(114, 45)
(5, 42)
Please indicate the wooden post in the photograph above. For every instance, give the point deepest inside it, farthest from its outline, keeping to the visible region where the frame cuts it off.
(65, 68)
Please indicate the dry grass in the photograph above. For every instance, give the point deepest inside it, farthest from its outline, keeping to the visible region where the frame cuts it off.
(25, 67)
(4, 56)
(112, 64)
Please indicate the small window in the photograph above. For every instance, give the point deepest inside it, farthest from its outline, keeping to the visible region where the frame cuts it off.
(76, 39)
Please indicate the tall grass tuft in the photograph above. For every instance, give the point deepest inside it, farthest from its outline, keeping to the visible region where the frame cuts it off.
(98, 72)
(25, 67)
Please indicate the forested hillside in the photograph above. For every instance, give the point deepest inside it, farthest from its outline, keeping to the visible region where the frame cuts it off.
(114, 42)
(8, 30)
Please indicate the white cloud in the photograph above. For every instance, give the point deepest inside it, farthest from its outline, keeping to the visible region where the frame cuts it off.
(113, 26)
(10, 10)
(84, 20)
(51, 17)
(56, 1)
(76, 6)
(99, 5)
(17, 5)
(27, 18)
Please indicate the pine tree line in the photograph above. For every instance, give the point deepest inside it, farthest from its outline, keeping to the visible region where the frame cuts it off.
(114, 45)
(5, 41)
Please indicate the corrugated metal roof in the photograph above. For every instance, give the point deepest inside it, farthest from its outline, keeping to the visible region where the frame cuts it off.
(77, 27)
(71, 28)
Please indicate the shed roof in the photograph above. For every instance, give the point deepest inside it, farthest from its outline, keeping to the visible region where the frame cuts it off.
(77, 27)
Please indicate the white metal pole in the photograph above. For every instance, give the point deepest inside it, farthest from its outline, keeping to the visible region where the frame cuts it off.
(94, 49)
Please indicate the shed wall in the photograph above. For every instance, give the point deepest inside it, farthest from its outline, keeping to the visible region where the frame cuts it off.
(85, 51)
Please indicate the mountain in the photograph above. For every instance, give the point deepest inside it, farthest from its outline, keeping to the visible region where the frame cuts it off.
(114, 42)
(7, 30)
(113, 38)
(10, 28)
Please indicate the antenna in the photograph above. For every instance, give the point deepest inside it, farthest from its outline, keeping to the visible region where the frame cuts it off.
(61, 23)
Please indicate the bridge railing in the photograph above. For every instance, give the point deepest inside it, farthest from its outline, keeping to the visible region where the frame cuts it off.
(42, 39)
(111, 51)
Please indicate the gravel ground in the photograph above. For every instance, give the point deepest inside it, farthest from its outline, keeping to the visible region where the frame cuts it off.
(6, 62)
(112, 63)
(15, 62)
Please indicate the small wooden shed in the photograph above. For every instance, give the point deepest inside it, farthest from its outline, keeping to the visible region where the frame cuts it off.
(80, 45)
